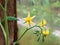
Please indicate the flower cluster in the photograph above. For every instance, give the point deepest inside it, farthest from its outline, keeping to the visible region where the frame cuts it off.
(43, 32)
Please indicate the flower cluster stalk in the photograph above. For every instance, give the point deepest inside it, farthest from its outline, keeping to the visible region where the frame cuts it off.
(25, 33)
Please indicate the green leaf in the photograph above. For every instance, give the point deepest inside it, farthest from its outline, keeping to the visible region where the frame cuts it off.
(37, 31)
(38, 38)
(56, 4)
(46, 3)
(10, 18)
(43, 38)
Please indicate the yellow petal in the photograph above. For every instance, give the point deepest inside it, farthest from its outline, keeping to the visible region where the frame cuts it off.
(32, 23)
(28, 14)
(27, 23)
(45, 32)
(40, 24)
(24, 19)
(28, 19)
(33, 17)
(43, 23)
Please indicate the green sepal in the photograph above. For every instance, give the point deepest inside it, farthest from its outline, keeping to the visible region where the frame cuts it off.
(43, 38)
(38, 38)
(37, 31)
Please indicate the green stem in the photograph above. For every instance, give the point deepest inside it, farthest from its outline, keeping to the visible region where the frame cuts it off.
(6, 32)
(24, 33)
(6, 23)
(3, 30)
(6, 27)
(1, 6)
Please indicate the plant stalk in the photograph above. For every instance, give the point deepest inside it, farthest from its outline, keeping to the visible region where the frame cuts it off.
(3, 30)
(6, 23)
(24, 33)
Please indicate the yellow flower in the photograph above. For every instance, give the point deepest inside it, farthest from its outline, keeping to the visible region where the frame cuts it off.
(45, 32)
(43, 23)
(29, 19)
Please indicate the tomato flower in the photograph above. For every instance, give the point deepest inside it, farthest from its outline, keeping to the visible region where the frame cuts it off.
(28, 19)
(43, 23)
(45, 32)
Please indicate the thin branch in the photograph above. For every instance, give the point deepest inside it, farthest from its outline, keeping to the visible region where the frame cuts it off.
(3, 30)
(1, 6)
(25, 32)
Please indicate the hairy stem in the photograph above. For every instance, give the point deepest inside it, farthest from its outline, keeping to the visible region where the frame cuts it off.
(24, 33)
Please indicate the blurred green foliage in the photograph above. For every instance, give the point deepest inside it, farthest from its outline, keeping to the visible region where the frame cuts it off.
(40, 8)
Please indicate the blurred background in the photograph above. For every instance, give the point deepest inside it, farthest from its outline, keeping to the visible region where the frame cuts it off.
(42, 9)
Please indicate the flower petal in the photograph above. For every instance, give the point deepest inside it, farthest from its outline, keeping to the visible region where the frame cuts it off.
(24, 19)
(33, 17)
(43, 23)
(32, 23)
(28, 14)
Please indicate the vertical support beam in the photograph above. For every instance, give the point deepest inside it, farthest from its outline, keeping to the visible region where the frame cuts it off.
(11, 10)
(15, 24)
